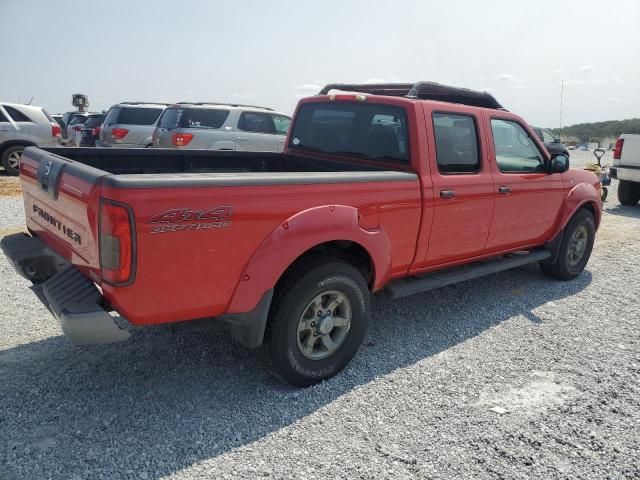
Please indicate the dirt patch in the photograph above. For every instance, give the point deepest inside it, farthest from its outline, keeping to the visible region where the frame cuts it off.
(8, 231)
(10, 187)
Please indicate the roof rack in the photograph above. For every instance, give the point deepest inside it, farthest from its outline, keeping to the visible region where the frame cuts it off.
(422, 91)
(224, 104)
(143, 103)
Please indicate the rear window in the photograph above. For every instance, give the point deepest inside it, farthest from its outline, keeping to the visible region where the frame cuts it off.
(203, 118)
(93, 122)
(79, 120)
(16, 114)
(169, 118)
(138, 115)
(112, 116)
(371, 131)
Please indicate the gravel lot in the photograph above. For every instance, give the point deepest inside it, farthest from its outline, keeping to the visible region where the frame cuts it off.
(510, 376)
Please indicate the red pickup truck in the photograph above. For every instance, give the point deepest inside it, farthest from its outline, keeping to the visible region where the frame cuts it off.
(400, 187)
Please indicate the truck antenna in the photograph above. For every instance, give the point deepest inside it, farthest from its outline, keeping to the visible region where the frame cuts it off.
(561, 101)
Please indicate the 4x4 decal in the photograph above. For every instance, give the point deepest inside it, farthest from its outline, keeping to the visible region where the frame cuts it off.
(185, 219)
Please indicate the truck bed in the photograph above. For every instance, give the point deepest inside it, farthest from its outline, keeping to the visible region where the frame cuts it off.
(199, 218)
(126, 161)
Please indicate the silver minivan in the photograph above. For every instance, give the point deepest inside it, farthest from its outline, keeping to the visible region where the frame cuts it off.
(219, 126)
(22, 126)
(130, 125)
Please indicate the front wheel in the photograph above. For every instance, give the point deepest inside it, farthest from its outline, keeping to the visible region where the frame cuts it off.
(317, 321)
(11, 159)
(575, 249)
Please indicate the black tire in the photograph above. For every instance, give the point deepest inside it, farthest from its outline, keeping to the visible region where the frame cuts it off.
(628, 193)
(564, 268)
(8, 157)
(293, 296)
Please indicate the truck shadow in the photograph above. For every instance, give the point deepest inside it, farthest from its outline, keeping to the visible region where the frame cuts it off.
(167, 399)
(624, 211)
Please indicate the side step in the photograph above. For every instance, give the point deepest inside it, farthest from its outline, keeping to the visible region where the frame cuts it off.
(410, 286)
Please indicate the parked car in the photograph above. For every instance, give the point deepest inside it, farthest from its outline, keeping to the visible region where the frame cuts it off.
(551, 142)
(626, 168)
(214, 126)
(67, 118)
(130, 125)
(22, 126)
(74, 128)
(395, 192)
(58, 118)
(90, 131)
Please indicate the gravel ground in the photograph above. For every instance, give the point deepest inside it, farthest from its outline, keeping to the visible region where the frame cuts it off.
(510, 376)
(11, 212)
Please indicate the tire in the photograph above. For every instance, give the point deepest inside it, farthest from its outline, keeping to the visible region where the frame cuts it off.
(293, 312)
(11, 159)
(575, 249)
(628, 193)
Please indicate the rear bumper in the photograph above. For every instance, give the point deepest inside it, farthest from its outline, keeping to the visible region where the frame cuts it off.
(72, 298)
(626, 173)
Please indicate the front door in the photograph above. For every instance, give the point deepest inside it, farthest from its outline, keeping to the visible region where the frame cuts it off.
(462, 186)
(527, 198)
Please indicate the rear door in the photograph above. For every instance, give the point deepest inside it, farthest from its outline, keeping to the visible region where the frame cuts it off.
(256, 132)
(462, 186)
(527, 198)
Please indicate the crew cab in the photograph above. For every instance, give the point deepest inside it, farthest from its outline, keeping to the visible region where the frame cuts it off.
(396, 188)
(626, 168)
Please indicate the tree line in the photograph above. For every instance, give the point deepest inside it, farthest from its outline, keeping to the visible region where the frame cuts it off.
(599, 131)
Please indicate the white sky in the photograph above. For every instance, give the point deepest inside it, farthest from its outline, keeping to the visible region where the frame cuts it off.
(273, 52)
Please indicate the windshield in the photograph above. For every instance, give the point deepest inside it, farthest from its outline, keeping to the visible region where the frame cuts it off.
(372, 131)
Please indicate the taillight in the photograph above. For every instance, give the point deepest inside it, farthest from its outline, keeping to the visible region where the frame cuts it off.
(181, 139)
(56, 131)
(116, 243)
(95, 131)
(617, 151)
(119, 133)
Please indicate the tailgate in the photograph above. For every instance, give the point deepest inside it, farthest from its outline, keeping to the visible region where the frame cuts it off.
(62, 200)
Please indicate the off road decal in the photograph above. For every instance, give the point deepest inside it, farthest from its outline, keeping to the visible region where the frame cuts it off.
(185, 219)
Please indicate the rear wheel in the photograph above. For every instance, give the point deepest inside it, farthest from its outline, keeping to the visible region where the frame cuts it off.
(628, 192)
(11, 159)
(575, 249)
(317, 321)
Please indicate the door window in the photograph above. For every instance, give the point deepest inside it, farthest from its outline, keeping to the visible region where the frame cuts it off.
(203, 118)
(3, 118)
(456, 143)
(281, 123)
(255, 122)
(16, 114)
(516, 152)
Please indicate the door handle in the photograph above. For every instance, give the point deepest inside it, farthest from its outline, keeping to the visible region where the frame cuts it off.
(447, 194)
(504, 190)
(241, 138)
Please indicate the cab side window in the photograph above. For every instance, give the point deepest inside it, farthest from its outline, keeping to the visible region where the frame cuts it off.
(516, 152)
(456, 143)
(547, 137)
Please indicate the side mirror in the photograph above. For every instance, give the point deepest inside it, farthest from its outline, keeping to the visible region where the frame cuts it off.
(559, 163)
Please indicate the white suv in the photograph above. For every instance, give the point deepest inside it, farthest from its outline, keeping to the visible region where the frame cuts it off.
(24, 126)
(220, 126)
